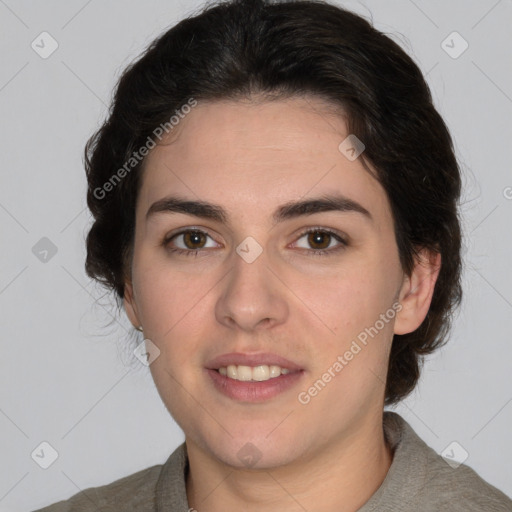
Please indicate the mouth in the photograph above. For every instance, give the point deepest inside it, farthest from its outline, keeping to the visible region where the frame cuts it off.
(259, 373)
(253, 378)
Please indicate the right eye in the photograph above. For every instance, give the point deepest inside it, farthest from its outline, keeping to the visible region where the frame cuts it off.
(192, 240)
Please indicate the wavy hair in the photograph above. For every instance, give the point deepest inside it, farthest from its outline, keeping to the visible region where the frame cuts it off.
(239, 48)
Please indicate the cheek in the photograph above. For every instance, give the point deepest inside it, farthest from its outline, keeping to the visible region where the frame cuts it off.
(350, 301)
(173, 307)
(358, 350)
(351, 304)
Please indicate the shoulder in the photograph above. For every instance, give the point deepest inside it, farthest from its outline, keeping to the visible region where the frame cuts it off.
(430, 482)
(136, 491)
(461, 488)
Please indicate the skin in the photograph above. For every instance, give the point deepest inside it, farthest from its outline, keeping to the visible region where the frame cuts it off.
(251, 157)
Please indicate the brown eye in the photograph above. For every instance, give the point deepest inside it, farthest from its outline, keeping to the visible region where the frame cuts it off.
(319, 239)
(319, 242)
(194, 239)
(189, 242)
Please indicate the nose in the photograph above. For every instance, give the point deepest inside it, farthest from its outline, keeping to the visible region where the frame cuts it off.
(253, 298)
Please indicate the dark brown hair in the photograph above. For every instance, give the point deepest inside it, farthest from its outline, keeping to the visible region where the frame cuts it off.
(238, 48)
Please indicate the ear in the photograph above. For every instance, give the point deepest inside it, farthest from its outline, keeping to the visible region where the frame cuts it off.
(130, 305)
(417, 291)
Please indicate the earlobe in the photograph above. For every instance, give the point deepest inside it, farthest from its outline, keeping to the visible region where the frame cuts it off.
(129, 305)
(417, 291)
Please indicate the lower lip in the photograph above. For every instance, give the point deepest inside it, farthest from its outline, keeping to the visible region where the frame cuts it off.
(254, 391)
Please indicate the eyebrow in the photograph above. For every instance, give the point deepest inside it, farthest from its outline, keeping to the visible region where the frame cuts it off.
(205, 210)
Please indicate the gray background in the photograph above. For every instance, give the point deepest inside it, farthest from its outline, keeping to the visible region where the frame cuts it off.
(70, 381)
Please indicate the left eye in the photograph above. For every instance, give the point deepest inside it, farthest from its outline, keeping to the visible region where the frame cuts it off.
(320, 240)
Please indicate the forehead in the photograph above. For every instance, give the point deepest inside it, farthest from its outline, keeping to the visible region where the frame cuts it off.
(246, 155)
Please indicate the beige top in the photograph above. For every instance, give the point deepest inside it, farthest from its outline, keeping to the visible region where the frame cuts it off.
(419, 479)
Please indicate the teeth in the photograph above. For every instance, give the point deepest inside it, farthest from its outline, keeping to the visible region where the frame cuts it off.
(256, 373)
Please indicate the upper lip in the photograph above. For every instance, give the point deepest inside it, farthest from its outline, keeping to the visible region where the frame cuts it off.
(237, 358)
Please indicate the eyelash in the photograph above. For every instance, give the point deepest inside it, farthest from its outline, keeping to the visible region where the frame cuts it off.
(314, 252)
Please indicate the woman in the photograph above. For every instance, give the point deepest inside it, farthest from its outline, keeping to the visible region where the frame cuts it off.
(276, 204)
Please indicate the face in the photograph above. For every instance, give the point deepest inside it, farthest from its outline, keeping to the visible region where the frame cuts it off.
(255, 288)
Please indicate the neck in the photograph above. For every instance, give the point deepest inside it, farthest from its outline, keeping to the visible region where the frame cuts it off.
(343, 476)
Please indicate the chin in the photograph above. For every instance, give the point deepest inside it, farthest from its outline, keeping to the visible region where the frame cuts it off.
(254, 448)
(252, 457)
